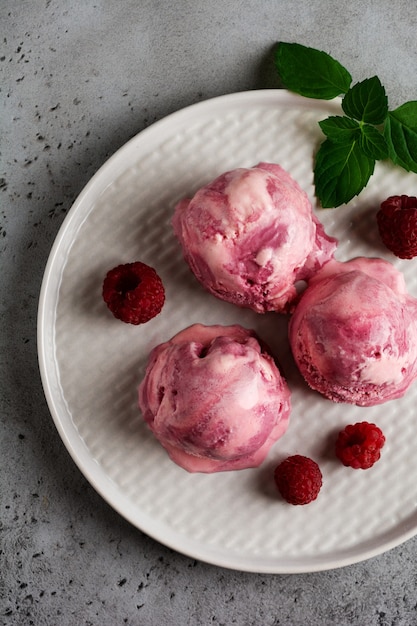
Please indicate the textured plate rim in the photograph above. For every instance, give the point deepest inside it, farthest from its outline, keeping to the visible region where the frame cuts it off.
(77, 449)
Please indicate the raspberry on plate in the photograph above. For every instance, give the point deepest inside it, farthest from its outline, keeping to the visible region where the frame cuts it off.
(133, 292)
(397, 224)
(298, 479)
(359, 445)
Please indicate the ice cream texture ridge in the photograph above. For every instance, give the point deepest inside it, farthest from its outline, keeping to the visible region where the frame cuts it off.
(214, 398)
(250, 235)
(353, 333)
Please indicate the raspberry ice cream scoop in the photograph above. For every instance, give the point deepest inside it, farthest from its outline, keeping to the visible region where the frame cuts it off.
(354, 332)
(214, 398)
(250, 235)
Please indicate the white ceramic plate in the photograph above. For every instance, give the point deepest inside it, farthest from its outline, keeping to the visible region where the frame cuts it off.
(91, 363)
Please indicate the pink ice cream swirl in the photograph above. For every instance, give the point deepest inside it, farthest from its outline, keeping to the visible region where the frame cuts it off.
(250, 235)
(354, 332)
(214, 398)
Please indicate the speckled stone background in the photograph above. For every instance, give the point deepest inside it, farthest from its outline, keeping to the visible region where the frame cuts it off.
(78, 79)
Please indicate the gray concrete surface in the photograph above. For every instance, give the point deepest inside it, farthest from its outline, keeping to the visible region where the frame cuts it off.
(78, 79)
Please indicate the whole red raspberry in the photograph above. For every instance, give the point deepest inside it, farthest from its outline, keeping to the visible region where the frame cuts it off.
(133, 292)
(397, 224)
(359, 445)
(298, 479)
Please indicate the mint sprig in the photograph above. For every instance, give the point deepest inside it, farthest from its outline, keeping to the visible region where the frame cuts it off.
(400, 132)
(311, 73)
(340, 129)
(342, 170)
(366, 101)
(368, 131)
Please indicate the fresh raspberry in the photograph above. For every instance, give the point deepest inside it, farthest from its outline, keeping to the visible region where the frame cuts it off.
(397, 224)
(298, 479)
(133, 292)
(359, 445)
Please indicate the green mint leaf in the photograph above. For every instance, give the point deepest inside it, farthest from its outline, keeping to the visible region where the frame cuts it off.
(373, 143)
(310, 72)
(341, 171)
(400, 132)
(338, 128)
(366, 101)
